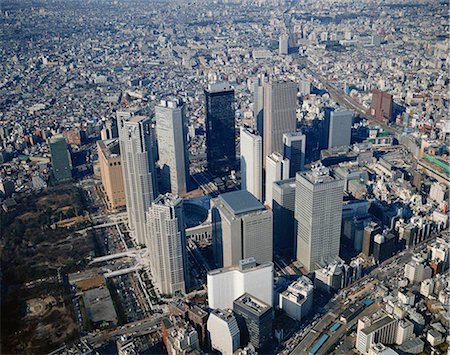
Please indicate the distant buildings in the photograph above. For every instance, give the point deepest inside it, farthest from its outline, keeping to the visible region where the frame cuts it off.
(61, 162)
(241, 228)
(382, 105)
(171, 131)
(277, 168)
(223, 331)
(251, 162)
(220, 131)
(294, 149)
(318, 213)
(297, 300)
(227, 284)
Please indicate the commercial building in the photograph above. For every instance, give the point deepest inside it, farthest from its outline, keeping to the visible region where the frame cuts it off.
(138, 168)
(251, 162)
(417, 271)
(370, 231)
(294, 149)
(283, 44)
(241, 228)
(381, 105)
(277, 168)
(223, 331)
(258, 103)
(111, 173)
(179, 336)
(167, 243)
(171, 131)
(382, 330)
(227, 284)
(61, 161)
(384, 247)
(297, 300)
(255, 319)
(220, 131)
(340, 132)
(318, 211)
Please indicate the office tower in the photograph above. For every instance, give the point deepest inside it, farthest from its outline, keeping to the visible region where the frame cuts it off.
(383, 247)
(241, 228)
(220, 132)
(109, 130)
(284, 242)
(318, 216)
(258, 103)
(340, 132)
(370, 231)
(381, 105)
(61, 162)
(294, 148)
(283, 44)
(171, 131)
(111, 173)
(229, 283)
(135, 137)
(383, 330)
(297, 300)
(280, 103)
(255, 319)
(251, 162)
(223, 331)
(277, 168)
(167, 244)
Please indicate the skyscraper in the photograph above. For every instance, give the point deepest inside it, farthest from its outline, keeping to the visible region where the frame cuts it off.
(251, 162)
(223, 331)
(220, 131)
(138, 167)
(340, 127)
(242, 228)
(280, 102)
(277, 168)
(61, 162)
(171, 131)
(294, 148)
(167, 244)
(381, 105)
(258, 103)
(318, 216)
(283, 44)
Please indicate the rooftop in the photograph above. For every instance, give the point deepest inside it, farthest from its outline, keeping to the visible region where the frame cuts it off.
(241, 201)
(252, 304)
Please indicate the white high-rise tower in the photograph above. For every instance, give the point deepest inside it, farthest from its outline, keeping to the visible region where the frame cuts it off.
(251, 162)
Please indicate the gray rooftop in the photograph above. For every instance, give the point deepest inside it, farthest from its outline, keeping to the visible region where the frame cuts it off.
(241, 202)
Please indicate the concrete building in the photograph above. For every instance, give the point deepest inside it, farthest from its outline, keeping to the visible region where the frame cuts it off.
(294, 149)
(255, 319)
(171, 131)
(417, 271)
(284, 241)
(340, 132)
(318, 211)
(220, 131)
(227, 284)
(383, 330)
(297, 300)
(111, 173)
(283, 44)
(427, 287)
(251, 162)
(223, 331)
(138, 168)
(280, 103)
(258, 103)
(167, 243)
(277, 168)
(60, 158)
(337, 275)
(405, 331)
(241, 228)
(381, 105)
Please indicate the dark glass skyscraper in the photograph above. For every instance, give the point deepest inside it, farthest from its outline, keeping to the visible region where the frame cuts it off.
(220, 132)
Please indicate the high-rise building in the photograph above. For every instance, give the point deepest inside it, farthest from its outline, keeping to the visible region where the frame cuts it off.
(223, 331)
(171, 131)
(383, 330)
(241, 228)
(340, 132)
(61, 162)
(283, 44)
(284, 242)
(297, 300)
(111, 173)
(109, 130)
(258, 103)
(318, 217)
(277, 168)
(381, 105)
(229, 283)
(167, 243)
(251, 162)
(220, 131)
(255, 319)
(280, 103)
(370, 231)
(138, 167)
(294, 149)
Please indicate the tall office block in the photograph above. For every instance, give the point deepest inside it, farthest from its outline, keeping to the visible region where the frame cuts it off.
(220, 132)
(382, 330)
(223, 331)
(284, 242)
(277, 168)
(318, 216)
(340, 130)
(370, 231)
(381, 105)
(297, 300)
(171, 131)
(229, 283)
(294, 149)
(258, 103)
(241, 228)
(167, 244)
(255, 319)
(251, 162)
(283, 44)
(111, 173)
(138, 167)
(61, 162)
(280, 103)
